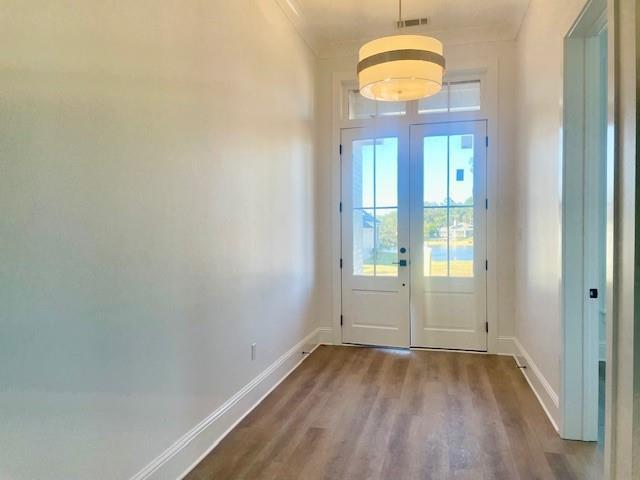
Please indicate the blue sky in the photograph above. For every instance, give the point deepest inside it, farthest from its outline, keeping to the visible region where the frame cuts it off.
(435, 171)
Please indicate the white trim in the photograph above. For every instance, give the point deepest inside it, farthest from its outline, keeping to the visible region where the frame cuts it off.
(541, 387)
(293, 12)
(336, 195)
(189, 450)
(581, 255)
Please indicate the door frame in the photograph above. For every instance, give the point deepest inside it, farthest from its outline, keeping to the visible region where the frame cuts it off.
(579, 386)
(622, 428)
(485, 69)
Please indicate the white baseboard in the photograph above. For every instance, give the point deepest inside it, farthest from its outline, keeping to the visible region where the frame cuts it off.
(325, 336)
(181, 457)
(542, 389)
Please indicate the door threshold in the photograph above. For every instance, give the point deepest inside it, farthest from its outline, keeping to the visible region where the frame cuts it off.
(407, 349)
(452, 350)
(386, 347)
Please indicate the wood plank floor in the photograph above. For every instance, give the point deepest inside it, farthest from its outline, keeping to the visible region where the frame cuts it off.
(365, 413)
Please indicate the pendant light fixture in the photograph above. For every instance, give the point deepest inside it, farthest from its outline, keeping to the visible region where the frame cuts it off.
(400, 67)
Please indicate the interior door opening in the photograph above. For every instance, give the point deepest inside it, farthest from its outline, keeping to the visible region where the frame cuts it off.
(584, 227)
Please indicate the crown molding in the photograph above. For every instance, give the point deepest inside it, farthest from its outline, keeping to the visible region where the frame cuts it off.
(293, 12)
(463, 36)
(326, 49)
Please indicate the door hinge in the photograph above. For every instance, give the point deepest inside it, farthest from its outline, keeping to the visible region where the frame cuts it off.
(341, 320)
(486, 141)
(340, 263)
(486, 326)
(486, 265)
(340, 207)
(486, 204)
(340, 149)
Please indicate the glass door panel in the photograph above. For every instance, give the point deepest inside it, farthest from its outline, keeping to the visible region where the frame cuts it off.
(375, 207)
(448, 235)
(375, 237)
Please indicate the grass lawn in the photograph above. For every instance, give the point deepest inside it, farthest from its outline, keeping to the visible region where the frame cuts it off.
(459, 268)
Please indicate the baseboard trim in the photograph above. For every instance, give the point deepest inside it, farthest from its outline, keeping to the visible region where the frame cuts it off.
(189, 450)
(542, 389)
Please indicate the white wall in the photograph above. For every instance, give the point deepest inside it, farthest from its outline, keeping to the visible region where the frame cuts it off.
(504, 54)
(158, 191)
(539, 132)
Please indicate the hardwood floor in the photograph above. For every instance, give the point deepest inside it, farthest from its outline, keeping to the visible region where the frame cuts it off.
(365, 413)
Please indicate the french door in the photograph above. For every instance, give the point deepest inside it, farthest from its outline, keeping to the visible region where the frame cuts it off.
(448, 244)
(375, 237)
(413, 236)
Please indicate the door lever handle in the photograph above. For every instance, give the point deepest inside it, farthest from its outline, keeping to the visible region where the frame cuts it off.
(401, 263)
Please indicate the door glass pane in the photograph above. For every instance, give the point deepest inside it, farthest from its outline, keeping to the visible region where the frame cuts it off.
(387, 242)
(454, 97)
(386, 179)
(375, 207)
(461, 242)
(364, 233)
(461, 169)
(436, 236)
(386, 109)
(448, 206)
(362, 176)
(360, 107)
(435, 171)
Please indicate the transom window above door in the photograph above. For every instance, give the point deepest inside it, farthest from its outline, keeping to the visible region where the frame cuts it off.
(360, 108)
(457, 96)
(461, 96)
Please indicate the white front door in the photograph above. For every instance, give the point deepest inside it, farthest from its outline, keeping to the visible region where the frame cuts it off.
(375, 237)
(448, 230)
(414, 236)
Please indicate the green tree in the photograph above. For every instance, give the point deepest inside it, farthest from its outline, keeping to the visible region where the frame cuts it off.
(388, 230)
(434, 220)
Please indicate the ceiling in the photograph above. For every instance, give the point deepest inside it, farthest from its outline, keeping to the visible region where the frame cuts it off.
(333, 27)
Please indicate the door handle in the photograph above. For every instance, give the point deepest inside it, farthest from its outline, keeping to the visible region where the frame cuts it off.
(401, 263)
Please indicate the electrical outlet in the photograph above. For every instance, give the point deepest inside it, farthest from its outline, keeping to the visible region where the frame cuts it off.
(253, 351)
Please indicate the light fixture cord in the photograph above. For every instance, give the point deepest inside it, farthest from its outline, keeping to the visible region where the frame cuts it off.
(399, 13)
